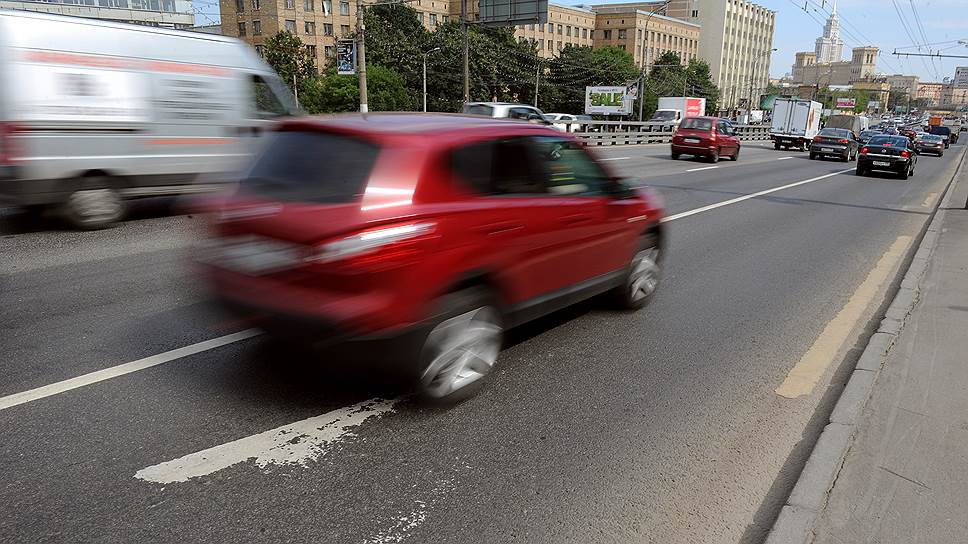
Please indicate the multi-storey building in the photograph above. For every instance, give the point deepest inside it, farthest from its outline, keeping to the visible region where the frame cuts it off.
(318, 23)
(905, 84)
(929, 92)
(644, 34)
(160, 13)
(566, 25)
(862, 66)
(829, 47)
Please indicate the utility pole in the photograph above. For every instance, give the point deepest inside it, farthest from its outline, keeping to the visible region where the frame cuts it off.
(467, 62)
(426, 53)
(537, 79)
(361, 54)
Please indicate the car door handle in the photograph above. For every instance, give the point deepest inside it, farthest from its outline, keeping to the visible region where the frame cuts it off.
(576, 218)
(499, 227)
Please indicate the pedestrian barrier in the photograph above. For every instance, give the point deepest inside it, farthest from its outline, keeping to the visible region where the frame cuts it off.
(602, 133)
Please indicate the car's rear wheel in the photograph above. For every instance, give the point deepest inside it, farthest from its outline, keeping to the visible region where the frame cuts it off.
(735, 156)
(813, 156)
(642, 276)
(714, 156)
(675, 156)
(861, 171)
(904, 173)
(461, 348)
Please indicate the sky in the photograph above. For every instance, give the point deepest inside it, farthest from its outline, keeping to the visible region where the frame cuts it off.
(862, 22)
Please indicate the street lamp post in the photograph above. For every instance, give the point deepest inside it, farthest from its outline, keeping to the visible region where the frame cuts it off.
(425, 76)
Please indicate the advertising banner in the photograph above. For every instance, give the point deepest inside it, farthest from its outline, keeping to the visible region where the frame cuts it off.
(846, 103)
(346, 57)
(607, 101)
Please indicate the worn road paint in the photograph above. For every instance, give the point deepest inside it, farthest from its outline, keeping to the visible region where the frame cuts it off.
(803, 377)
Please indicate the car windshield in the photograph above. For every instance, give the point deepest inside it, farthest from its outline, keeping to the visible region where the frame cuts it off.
(289, 168)
(892, 141)
(694, 123)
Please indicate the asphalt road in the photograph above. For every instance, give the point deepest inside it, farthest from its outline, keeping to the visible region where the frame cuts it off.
(658, 426)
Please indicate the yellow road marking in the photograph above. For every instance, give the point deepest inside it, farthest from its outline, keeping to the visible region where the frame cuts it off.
(803, 377)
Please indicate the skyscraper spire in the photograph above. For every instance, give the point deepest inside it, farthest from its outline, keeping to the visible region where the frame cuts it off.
(834, 12)
(829, 47)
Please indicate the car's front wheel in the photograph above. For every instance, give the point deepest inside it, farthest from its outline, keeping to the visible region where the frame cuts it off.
(642, 276)
(462, 347)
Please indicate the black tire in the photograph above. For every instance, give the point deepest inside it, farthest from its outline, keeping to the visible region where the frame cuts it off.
(629, 296)
(904, 174)
(94, 205)
(776, 145)
(860, 171)
(735, 156)
(813, 156)
(675, 156)
(714, 158)
(437, 378)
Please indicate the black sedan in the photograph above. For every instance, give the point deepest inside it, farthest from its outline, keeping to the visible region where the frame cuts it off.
(866, 135)
(834, 142)
(889, 153)
(930, 143)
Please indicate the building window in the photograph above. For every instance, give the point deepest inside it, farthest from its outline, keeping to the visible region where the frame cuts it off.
(344, 8)
(310, 28)
(240, 6)
(327, 29)
(257, 28)
(607, 34)
(260, 50)
(255, 4)
(433, 19)
(445, 18)
(327, 7)
(344, 30)
(622, 34)
(241, 29)
(551, 45)
(568, 31)
(311, 49)
(541, 45)
(559, 30)
(621, 46)
(309, 5)
(420, 17)
(329, 51)
(551, 28)
(559, 46)
(290, 26)
(290, 4)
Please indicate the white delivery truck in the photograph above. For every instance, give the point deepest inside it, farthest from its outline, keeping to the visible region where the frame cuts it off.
(795, 122)
(93, 112)
(672, 109)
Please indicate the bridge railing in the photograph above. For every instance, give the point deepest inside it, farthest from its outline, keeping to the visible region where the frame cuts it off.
(600, 133)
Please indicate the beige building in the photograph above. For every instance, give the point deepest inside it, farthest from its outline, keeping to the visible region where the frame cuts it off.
(160, 13)
(929, 91)
(953, 97)
(644, 34)
(904, 84)
(318, 23)
(863, 65)
(566, 25)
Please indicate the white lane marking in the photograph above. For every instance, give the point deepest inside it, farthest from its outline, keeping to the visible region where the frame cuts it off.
(120, 370)
(293, 444)
(749, 196)
(784, 158)
(701, 169)
(617, 159)
(803, 377)
(927, 201)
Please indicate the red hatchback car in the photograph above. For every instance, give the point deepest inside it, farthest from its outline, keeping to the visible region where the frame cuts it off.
(709, 137)
(417, 240)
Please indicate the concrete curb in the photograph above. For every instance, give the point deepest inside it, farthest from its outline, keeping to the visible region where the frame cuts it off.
(798, 517)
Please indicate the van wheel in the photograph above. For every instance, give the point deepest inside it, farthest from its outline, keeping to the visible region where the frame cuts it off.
(92, 209)
(461, 349)
(641, 277)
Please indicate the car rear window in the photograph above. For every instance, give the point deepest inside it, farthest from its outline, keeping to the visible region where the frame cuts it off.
(697, 124)
(932, 138)
(834, 132)
(314, 167)
(888, 140)
(479, 109)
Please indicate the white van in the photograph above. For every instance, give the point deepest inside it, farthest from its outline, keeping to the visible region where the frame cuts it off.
(95, 112)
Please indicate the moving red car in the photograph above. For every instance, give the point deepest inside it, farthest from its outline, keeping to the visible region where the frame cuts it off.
(709, 137)
(421, 238)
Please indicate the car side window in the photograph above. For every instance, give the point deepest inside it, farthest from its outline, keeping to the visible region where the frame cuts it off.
(568, 169)
(504, 167)
(520, 113)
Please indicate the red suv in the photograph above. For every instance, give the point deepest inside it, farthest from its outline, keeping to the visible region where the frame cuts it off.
(416, 240)
(709, 137)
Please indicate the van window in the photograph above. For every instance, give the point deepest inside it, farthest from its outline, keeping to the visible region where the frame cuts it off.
(267, 103)
(289, 169)
(479, 109)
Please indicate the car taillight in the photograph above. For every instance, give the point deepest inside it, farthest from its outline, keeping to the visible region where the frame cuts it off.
(377, 244)
(842, 141)
(863, 150)
(818, 138)
(905, 154)
(9, 145)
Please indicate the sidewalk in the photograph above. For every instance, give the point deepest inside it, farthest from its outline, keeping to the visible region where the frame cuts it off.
(905, 477)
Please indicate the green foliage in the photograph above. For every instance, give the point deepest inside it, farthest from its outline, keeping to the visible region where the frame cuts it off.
(332, 93)
(699, 83)
(577, 67)
(396, 39)
(289, 58)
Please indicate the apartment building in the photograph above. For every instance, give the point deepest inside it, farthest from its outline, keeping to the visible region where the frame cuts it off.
(861, 66)
(566, 25)
(318, 23)
(159, 13)
(644, 34)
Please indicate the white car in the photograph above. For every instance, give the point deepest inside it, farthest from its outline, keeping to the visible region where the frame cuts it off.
(507, 110)
(556, 117)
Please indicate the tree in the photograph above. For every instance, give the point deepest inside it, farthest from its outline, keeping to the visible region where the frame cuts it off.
(667, 78)
(333, 93)
(578, 67)
(396, 39)
(699, 83)
(289, 58)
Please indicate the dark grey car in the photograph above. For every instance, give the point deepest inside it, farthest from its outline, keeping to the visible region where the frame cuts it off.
(834, 142)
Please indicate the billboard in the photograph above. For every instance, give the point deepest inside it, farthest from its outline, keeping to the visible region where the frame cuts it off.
(608, 100)
(961, 77)
(846, 103)
(513, 12)
(874, 105)
(345, 57)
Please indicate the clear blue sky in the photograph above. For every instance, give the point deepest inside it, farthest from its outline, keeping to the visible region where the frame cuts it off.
(863, 22)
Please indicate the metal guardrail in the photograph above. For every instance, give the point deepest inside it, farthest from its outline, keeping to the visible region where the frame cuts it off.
(600, 133)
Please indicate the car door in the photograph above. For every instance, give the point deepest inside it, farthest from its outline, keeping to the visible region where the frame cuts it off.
(726, 134)
(586, 239)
